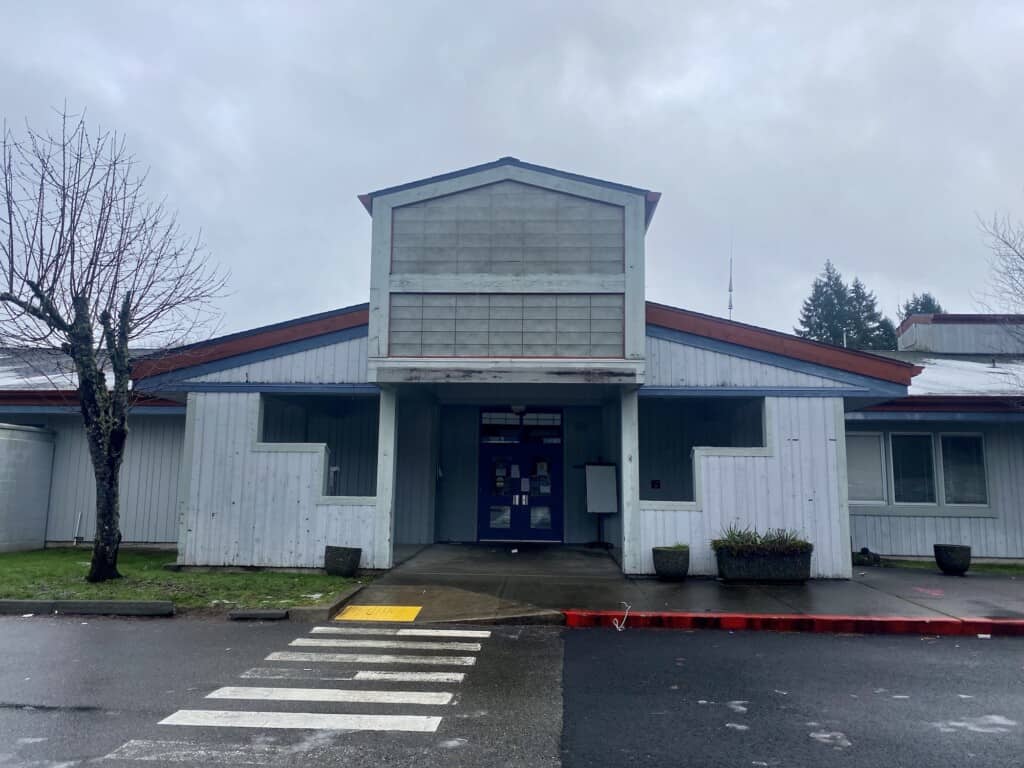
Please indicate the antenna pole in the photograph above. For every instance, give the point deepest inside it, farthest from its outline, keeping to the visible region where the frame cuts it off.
(730, 277)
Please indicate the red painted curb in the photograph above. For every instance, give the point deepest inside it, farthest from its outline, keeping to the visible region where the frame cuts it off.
(796, 622)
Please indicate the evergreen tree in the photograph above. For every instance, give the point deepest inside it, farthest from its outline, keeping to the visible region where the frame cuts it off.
(868, 329)
(825, 313)
(925, 304)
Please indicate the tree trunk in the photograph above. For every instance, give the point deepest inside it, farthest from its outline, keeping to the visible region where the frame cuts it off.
(108, 523)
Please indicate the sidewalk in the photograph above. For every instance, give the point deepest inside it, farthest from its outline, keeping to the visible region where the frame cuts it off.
(585, 588)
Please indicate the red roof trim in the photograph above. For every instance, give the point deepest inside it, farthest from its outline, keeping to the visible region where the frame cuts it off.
(952, 404)
(862, 363)
(69, 397)
(251, 341)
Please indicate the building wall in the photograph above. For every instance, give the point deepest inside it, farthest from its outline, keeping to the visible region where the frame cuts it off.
(508, 228)
(506, 325)
(457, 486)
(26, 454)
(672, 364)
(343, 362)
(797, 481)
(416, 473)
(249, 503)
(963, 338)
(149, 478)
(995, 531)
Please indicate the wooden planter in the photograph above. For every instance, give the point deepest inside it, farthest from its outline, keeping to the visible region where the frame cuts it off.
(764, 567)
(671, 563)
(952, 559)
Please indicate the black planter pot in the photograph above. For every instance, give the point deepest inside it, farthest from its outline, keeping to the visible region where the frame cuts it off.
(763, 567)
(342, 561)
(671, 563)
(953, 559)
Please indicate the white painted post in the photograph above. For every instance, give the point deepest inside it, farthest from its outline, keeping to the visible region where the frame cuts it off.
(632, 558)
(845, 564)
(387, 451)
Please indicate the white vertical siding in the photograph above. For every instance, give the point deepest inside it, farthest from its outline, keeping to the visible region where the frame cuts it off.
(794, 482)
(250, 503)
(341, 363)
(1001, 534)
(671, 364)
(149, 477)
(26, 454)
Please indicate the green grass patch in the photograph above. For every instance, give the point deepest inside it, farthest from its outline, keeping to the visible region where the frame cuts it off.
(59, 574)
(1008, 569)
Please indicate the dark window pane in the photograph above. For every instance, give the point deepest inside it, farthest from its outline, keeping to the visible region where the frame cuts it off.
(913, 471)
(963, 469)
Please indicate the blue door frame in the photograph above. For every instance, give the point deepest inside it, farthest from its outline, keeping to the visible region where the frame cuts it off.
(521, 475)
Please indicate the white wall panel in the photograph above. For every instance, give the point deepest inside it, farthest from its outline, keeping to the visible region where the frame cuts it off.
(26, 456)
(999, 534)
(672, 364)
(250, 503)
(796, 481)
(341, 363)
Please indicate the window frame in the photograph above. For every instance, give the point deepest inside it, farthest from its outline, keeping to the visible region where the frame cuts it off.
(984, 468)
(936, 471)
(881, 436)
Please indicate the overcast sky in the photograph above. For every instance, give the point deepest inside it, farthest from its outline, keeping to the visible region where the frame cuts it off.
(869, 133)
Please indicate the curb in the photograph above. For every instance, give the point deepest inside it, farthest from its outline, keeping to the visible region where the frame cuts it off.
(89, 607)
(314, 615)
(795, 622)
(538, 618)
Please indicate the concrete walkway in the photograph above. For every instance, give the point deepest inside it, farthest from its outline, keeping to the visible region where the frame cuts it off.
(466, 582)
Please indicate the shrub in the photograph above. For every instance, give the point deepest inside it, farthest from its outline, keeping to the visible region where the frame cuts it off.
(774, 541)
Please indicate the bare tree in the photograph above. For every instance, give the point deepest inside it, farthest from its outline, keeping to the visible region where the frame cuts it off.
(1005, 238)
(89, 266)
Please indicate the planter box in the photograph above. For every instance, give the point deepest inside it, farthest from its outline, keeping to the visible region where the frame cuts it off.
(763, 567)
(671, 563)
(952, 559)
(342, 561)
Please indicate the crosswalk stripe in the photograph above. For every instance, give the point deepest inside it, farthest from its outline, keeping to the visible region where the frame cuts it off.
(336, 695)
(401, 632)
(412, 645)
(411, 677)
(302, 720)
(372, 658)
(190, 753)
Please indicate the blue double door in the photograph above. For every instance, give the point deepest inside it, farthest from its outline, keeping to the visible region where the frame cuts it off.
(521, 475)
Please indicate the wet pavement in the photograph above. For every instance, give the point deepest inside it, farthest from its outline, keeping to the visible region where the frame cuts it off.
(467, 582)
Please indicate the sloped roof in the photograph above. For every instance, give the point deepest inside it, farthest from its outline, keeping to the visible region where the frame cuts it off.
(784, 344)
(651, 198)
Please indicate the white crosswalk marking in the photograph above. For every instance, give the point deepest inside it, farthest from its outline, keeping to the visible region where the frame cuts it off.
(331, 695)
(411, 677)
(398, 645)
(302, 720)
(400, 632)
(373, 658)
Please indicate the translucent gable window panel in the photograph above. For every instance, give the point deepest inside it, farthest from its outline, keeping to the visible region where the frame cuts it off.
(864, 468)
(963, 469)
(913, 469)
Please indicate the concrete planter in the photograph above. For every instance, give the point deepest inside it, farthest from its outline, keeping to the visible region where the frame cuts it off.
(952, 559)
(763, 566)
(671, 563)
(342, 561)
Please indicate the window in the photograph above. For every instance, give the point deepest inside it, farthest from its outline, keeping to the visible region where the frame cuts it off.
(864, 464)
(963, 469)
(913, 469)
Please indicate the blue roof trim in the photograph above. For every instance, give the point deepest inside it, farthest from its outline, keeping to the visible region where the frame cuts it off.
(139, 410)
(650, 204)
(863, 384)
(749, 392)
(172, 381)
(982, 418)
(292, 389)
(255, 331)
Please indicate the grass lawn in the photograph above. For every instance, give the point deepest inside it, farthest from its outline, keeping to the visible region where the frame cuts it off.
(59, 574)
(1007, 569)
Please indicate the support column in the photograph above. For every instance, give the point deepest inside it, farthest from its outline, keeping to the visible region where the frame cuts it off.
(630, 471)
(387, 453)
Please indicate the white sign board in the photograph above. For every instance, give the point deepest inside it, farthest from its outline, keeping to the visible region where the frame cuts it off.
(602, 489)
